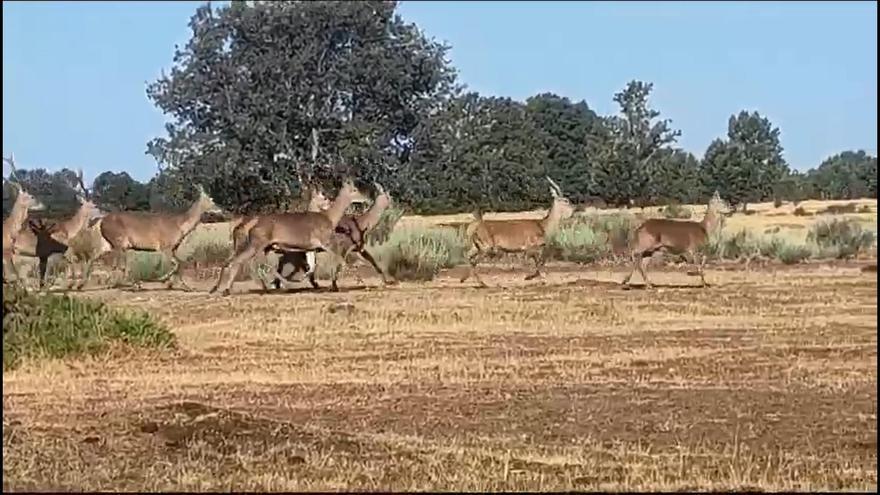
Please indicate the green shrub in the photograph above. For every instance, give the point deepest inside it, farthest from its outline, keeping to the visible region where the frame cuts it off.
(844, 236)
(147, 266)
(674, 211)
(420, 253)
(618, 229)
(801, 212)
(382, 231)
(865, 209)
(53, 326)
(577, 242)
(791, 254)
(209, 254)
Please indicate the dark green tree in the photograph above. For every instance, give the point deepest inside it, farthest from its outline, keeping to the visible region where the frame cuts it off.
(58, 191)
(571, 133)
(271, 95)
(747, 167)
(119, 192)
(846, 175)
(674, 178)
(636, 136)
(479, 153)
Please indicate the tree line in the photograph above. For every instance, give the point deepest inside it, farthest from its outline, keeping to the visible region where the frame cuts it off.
(266, 97)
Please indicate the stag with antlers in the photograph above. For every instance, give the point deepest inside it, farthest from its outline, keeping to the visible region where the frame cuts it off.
(516, 236)
(49, 241)
(12, 226)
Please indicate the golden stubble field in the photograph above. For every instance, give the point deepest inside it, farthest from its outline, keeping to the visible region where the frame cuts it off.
(765, 380)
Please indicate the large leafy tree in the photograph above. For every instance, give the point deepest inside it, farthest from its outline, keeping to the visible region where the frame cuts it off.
(119, 192)
(269, 95)
(56, 190)
(747, 167)
(674, 176)
(636, 137)
(478, 153)
(571, 133)
(846, 175)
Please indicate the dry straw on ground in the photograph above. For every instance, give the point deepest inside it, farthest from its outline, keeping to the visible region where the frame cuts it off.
(766, 380)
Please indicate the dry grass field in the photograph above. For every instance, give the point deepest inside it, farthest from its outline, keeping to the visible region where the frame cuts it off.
(766, 380)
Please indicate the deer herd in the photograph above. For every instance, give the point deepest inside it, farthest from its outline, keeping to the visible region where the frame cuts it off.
(296, 236)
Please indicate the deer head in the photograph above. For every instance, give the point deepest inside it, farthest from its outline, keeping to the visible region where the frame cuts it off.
(28, 201)
(206, 202)
(561, 204)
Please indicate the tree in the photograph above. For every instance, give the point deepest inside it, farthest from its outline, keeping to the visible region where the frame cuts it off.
(747, 167)
(571, 134)
(674, 176)
(636, 136)
(846, 175)
(268, 96)
(56, 190)
(478, 153)
(119, 192)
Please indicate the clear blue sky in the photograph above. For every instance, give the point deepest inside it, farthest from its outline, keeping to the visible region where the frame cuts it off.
(74, 73)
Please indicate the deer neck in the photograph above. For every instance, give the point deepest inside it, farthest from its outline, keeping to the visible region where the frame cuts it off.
(337, 209)
(16, 217)
(709, 219)
(371, 218)
(550, 223)
(192, 217)
(71, 227)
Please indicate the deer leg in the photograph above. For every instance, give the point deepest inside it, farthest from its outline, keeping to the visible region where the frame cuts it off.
(341, 266)
(19, 279)
(229, 272)
(367, 256)
(538, 256)
(641, 266)
(311, 264)
(474, 259)
(636, 258)
(86, 272)
(702, 273)
(175, 272)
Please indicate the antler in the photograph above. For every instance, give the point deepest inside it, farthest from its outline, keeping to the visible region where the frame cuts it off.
(11, 162)
(82, 186)
(379, 189)
(554, 188)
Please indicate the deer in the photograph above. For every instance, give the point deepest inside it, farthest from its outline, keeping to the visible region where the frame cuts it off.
(12, 226)
(350, 236)
(288, 231)
(682, 237)
(48, 242)
(242, 224)
(152, 232)
(512, 236)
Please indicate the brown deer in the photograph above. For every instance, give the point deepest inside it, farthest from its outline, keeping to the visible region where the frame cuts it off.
(153, 232)
(242, 224)
(676, 237)
(512, 236)
(12, 226)
(49, 241)
(349, 236)
(289, 231)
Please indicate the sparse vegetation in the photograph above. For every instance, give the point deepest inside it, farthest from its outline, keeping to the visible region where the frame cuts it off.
(51, 326)
(676, 211)
(420, 253)
(845, 236)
